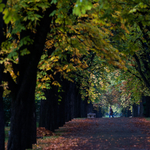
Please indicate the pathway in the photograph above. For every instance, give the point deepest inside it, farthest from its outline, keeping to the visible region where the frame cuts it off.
(101, 134)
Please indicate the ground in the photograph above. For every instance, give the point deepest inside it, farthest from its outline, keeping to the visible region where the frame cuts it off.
(99, 134)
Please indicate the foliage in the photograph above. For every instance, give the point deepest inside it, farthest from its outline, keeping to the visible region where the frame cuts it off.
(90, 42)
(129, 24)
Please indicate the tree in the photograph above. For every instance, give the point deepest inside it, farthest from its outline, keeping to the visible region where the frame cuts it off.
(32, 23)
(2, 38)
(128, 26)
(28, 36)
(23, 125)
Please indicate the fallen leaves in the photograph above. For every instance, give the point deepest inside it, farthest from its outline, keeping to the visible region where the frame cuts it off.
(97, 133)
(143, 124)
(41, 131)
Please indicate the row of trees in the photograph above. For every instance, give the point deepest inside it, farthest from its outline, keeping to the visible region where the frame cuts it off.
(54, 113)
(46, 45)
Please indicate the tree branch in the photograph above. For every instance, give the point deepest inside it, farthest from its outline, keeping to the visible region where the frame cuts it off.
(134, 75)
(140, 71)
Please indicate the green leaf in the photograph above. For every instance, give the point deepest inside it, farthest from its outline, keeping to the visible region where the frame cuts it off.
(2, 7)
(53, 1)
(81, 7)
(132, 10)
(53, 13)
(12, 54)
(77, 11)
(7, 16)
(25, 52)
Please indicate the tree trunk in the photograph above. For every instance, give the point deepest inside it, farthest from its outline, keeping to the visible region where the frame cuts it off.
(135, 110)
(2, 124)
(49, 109)
(146, 106)
(62, 106)
(97, 111)
(85, 108)
(67, 108)
(62, 111)
(43, 105)
(2, 121)
(90, 107)
(53, 116)
(78, 105)
(23, 122)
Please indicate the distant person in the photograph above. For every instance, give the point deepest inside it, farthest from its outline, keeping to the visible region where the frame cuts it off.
(111, 112)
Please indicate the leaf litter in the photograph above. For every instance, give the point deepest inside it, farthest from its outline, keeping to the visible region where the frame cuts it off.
(98, 134)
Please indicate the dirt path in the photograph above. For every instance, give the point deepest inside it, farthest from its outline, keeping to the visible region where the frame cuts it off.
(101, 134)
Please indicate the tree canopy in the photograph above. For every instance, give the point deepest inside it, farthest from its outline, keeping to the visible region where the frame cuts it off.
(85, 36)
(102, 46)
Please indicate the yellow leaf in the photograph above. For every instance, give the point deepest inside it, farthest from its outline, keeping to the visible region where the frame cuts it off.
(65, 67)
(68, 70)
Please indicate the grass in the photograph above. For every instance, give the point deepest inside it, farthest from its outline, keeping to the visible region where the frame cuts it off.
(37, 124)
(80, 118)
(7, 129)
(148, 118)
